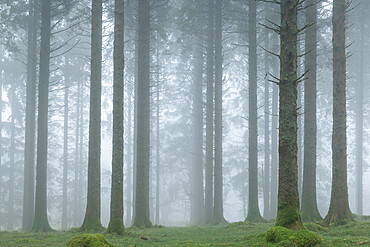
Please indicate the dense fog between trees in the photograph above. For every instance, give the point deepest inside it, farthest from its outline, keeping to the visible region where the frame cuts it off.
(207, 122)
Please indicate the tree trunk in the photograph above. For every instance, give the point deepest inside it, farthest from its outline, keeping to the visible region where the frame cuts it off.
(116, 206)
(65, 148)
(218, 211)
(208, 203)
(1, 134)
(40, 221)
(309, 210)
(339, 211)
(129, 160)
(157, 184)
(141, 217)
(253, 209)
(29, 145)
(92, 216)
(360, 122)
(288, 198)
(10, 225)
(75, 182)
(197, 202)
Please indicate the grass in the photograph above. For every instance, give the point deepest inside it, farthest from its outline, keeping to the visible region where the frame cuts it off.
(235, 234)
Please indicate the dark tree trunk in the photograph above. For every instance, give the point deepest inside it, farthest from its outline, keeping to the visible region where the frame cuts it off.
(116, 206)
(339, 211)
(218, 209)
(197, 202)
(288, 198)
(29, 146)
(208, 203)
(65, 149)
(40, 221)
(253, 209)
(309, 210)
(92, 216)
(141, 217)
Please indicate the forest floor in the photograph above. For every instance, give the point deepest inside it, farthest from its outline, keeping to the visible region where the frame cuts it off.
(235, 234)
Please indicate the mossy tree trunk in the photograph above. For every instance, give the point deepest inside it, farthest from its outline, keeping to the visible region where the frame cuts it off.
(309, 210)
(253, 209)
(29, 144)
(40, 221)
(116, 203)
(208, 201)
(218, 214)
(92, 215)
(339, 211)
(288, 199)
(141, 217)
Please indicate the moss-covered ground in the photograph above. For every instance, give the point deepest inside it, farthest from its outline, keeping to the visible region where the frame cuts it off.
(235, 234)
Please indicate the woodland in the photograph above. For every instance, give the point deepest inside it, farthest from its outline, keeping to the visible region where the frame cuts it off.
(184, 123)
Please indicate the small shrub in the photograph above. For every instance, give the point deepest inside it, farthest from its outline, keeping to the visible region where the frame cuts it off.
(89, 240)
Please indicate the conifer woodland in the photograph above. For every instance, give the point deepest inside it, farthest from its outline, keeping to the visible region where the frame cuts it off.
(184, 123)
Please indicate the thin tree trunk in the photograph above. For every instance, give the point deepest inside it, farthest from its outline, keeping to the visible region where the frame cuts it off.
(288, 198)
(75, 182)
(116, 206)
(81, 163)
(218, 211)
(65, 149)
(129, 160)
(208, 204)
(92, 216)
(309, 210)
(157, 185)
(1, 133)
(360, 123)
(253, 209)
(339, 211)
(40, 221)
(142, 218)
(29, 146)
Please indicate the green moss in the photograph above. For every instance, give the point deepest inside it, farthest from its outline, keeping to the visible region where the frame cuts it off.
(289, 217)
(89, 240)
(116, 227)
(287, 237)
(315, 227)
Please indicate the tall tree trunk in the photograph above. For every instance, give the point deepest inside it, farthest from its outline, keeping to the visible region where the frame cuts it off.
(309, 210)
(218, 210)
(75, 182)
(40, 221)
(157, 184)
(339, 211)
(81, 177)
(129, 160)
(143, 118)
(92, 216)
(10, 225)
(299, 124)
(360, 122)
(208, 203)
(1, 134)
(253, 209)
(197, 192)
(266, 184)
(116, 206)
(288, 198)
(29, 146)
(65, 149)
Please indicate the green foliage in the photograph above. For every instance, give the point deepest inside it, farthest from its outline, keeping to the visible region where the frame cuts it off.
(287, 237)
(315, 227)
(88, 240)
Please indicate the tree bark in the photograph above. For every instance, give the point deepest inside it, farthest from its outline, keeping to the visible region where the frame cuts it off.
(76, 165)
(288, 199)
(29, 145)
(116, 206)
(309, 210)
(253, 209)
(339, 211)
(92, 215)
(40, 221)
(208, 203)
(141, 217)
